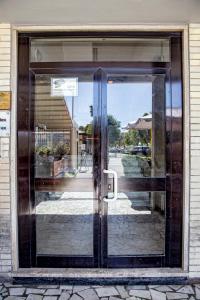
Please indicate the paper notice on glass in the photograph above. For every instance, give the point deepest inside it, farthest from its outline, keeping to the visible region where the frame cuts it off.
(4, 123)
(64, 87)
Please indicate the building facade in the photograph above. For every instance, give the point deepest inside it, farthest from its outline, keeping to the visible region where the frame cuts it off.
(29, 243)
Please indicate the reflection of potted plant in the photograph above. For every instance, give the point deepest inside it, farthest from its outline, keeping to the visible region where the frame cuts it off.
(59, 152)
(50, 161)
(43, 161)
(43, 150)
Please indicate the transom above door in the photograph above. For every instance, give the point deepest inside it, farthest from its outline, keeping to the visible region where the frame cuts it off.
(102, 159)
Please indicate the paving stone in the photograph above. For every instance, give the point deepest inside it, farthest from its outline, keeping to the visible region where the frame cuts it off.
(136, 287)
(53, 292)
(35, 291)
(197, 285)
(3, 290)
(88, 294)
(75, 297)
(197, 292)
(140, 293)
(114, 298)
(50, 298)
(174, 296)
(187, 289)
(78, 288)
(14, 298)
(157, 295)
(1, 297)
(107, 291)
(105, 298)
(34, 297)
(175, 287)
(64, 296)
(5, 294)
(17, 291)
(47, 286)
(66, 287)
(9, 285)
(122, 291)
(192, 298)
(163, 288)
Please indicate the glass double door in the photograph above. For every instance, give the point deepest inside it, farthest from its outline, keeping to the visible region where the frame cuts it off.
(100, 159)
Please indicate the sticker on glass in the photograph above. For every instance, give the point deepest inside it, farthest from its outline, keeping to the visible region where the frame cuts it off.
(64, 87)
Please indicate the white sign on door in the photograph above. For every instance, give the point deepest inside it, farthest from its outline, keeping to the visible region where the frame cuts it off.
(4, 123)
(64, 87)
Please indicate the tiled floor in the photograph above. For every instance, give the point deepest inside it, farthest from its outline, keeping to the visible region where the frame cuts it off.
(81, 292)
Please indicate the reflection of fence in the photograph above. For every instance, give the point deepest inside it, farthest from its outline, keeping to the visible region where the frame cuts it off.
(85, 161)
(45, 138)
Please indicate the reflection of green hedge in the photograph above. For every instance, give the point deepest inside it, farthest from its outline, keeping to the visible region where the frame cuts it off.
(145, 165)
(136, 166)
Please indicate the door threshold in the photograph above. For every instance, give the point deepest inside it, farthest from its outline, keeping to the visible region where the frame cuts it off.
(101, 276)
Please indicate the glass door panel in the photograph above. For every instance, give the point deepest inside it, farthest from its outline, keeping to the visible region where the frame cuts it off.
(64, 196)
(136, 152)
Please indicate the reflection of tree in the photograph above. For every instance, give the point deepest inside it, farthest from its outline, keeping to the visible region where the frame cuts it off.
(89, 129)
(135, 136)
(113, 131)
(131, 137)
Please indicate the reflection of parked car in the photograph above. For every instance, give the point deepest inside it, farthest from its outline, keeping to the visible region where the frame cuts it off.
(113, 150)
(125, 151)
(145, 150)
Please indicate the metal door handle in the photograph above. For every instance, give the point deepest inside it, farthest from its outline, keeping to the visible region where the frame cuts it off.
(114, 185)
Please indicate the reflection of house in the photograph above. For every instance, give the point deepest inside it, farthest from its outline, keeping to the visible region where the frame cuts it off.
(141, 123)
(145, 122)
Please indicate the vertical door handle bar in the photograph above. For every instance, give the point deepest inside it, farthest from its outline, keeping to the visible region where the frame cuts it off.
(114, 185)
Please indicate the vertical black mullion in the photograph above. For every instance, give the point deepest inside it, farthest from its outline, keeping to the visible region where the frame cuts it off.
(32, 167)
(104, 165)
(159, 97)
(24, 218)
(168, 151)
(176, 176)
(97, 168)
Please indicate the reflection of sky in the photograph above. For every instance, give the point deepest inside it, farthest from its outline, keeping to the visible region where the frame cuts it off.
(129, 101)
(126, 101)
(82, 103)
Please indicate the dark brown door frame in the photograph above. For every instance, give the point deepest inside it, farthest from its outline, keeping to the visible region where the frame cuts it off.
(174, 149)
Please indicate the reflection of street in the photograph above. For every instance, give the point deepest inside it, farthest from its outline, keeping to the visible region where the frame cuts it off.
(65, 226)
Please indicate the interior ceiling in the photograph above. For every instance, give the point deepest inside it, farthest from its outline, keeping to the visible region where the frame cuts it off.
(50, 12)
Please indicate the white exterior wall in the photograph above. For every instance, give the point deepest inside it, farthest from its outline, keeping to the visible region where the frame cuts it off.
(194, 58)
(194, 239)
(5, 220)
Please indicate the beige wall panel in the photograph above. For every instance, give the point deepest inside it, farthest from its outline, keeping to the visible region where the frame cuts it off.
(194, 51)
(5, 221)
